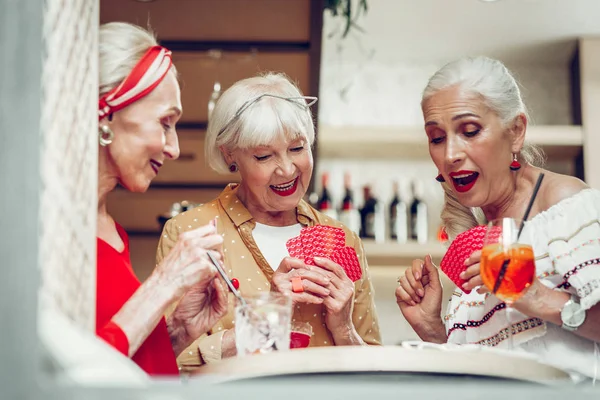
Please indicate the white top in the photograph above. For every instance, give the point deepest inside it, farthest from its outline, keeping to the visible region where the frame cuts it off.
(271, 241)
(566, 243)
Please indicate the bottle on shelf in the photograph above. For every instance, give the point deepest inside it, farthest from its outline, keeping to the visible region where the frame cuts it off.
(372, 219)
(398, 221)
(367, 215)
(325, 203)
(348, 213)
(418, 216)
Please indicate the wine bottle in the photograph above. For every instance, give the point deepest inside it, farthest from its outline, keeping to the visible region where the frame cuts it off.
(367, 214)
(325, 204)
(418, 216)
(348, 213)
(398, 222)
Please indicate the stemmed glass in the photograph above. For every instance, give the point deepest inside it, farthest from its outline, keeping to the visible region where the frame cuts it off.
(507, 265)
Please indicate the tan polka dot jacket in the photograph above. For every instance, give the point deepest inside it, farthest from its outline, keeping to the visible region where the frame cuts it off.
(244, 261)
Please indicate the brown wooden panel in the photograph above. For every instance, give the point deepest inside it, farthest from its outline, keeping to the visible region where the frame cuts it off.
(198, 74)
(191, 167)
(142, 251)
(232, 20)
(140, 211)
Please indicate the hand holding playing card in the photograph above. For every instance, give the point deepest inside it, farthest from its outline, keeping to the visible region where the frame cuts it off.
(327, 242)
(339, 303)
(462, 247)
(325, 247)
(313, 283)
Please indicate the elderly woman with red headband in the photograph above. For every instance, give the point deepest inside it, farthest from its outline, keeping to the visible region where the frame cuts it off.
(138, 108)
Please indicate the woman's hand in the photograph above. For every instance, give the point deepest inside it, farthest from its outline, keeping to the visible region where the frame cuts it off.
(315, 283)
(472, 274)
(187, 273)
(201, 307)
(188, 264)
(419, 297)
(186, 268)
(339, 303)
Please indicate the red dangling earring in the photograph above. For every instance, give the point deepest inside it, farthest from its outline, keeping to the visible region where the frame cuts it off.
(440, 178)
(233, 167)
(515, 165)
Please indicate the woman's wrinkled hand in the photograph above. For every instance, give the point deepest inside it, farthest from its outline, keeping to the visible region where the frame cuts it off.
(315, 283)
(419, 296)
(188, 276)
(188, 264)
(472, 274)
(339, 303)
(201, 307)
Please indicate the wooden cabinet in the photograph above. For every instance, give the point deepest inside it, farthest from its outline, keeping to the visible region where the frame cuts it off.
(139, 212)
(216, 20)
(191, 169)
(198, 73)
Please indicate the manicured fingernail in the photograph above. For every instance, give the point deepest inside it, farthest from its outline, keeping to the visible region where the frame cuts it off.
(462, 275)
(465, 285)
(412, 303)
(417, 276)
(420, 292)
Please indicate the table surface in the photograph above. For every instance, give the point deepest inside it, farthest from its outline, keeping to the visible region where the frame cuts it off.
(387, 362)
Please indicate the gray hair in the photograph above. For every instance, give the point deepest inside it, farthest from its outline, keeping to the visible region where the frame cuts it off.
(244, 117)
(121, 47)
(491, 80)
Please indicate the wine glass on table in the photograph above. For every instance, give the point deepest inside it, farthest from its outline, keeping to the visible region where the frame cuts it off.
(507, 265)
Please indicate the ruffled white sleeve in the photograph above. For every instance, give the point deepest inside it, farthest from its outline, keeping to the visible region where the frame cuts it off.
(570, 231)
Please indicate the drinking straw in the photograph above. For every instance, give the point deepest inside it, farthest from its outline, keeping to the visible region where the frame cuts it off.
(527, 211)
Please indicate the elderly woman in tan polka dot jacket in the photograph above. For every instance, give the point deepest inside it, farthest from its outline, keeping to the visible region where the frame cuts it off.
(263, 128)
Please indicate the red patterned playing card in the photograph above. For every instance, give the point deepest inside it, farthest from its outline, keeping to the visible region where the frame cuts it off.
(321, 241)
(328, 242)
(461, 248)
(346, 257)
(294, 246)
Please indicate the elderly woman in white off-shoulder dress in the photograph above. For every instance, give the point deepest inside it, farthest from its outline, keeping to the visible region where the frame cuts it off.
(476, 123)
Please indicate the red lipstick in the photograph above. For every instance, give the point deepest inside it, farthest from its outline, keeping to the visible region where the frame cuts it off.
(464, 180)
(287, 191)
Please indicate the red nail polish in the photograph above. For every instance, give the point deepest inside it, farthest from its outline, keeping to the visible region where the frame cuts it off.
(235, 283)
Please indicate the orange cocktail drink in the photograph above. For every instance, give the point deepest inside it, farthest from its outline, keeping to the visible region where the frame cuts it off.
(519, 270)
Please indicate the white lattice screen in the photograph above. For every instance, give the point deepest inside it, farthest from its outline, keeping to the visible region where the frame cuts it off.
(69, 147)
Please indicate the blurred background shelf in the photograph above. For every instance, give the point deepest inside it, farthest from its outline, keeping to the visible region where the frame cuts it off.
(401, 254)
(564, 141)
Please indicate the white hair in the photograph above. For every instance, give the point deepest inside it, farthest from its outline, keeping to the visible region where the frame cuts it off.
(239, 121)
(121, 47)
(493, 82)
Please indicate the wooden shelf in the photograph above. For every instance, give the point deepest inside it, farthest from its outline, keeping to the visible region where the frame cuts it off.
(410, 142)
(401, 254)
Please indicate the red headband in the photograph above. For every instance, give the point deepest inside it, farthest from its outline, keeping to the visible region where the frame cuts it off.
(142, 79)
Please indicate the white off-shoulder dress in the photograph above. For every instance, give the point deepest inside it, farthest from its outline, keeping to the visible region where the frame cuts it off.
(566, 242)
